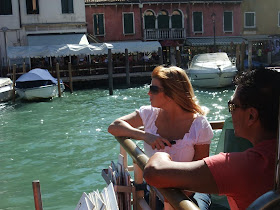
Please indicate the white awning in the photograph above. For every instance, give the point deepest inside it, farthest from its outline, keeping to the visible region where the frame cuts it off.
(56, 50)
(76, 49)
(60, 39)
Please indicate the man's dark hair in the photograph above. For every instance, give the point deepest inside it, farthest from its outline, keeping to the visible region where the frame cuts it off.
(260, 89)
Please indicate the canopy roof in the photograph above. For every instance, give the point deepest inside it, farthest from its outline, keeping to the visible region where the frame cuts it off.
(76, 49)
(203, 41)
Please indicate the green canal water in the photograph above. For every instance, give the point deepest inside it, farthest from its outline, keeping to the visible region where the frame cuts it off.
(64, 143)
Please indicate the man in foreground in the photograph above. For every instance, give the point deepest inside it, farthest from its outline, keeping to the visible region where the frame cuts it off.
(241, 176)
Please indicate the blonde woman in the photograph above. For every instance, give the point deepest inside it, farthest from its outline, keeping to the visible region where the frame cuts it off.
(173, 123)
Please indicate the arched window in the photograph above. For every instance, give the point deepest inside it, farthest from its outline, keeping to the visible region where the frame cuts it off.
(163, 19)
(149, 19)
(176, 19)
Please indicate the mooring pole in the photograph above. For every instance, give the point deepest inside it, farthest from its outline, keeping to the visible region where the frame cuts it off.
(23, 68)
(58, 79)
(110, 71)
(37, 195)
(14, 82)
(70, 77)
(127, 68)
(160, 56)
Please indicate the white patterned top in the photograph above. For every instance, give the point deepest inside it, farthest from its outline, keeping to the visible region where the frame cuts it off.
(183, 151)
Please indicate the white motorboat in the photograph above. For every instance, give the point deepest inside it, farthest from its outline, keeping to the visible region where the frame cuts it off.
(211, 70)
(6, 89)
(37, 84)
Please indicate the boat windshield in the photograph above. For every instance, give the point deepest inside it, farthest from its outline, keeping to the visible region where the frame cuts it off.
(217, 59)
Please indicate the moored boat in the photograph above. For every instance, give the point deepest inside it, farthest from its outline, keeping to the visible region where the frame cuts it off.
(6, 89)
(37, 84)
(211, 70)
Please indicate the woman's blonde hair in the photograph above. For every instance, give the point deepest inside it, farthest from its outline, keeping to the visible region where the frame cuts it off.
(177, 86)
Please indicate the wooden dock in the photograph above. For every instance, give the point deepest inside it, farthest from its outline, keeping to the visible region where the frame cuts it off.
(105, 76)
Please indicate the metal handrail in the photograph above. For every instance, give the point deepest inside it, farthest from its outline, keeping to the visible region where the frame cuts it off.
(174, 196)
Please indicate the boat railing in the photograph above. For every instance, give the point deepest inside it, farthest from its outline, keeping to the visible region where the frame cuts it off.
(174, 196)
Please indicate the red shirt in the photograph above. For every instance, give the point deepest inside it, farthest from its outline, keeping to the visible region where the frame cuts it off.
(244, 176)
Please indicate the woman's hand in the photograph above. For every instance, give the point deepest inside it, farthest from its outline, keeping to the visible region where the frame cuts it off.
(156, 142)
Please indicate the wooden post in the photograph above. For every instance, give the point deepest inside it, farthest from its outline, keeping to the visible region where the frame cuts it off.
(58, 79)
(14, 82)
(152, 199)
(269, 58)
(237, 63)
(127, 68)
(110, 71)
(23, 68)
(231, 49)
(138, 178)
(70, 77)
(124, 154)
(250, 46)
(242, 56)
(37, 195)
(178, 57)
(160, 56)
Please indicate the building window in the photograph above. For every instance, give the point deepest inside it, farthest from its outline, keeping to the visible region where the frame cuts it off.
(67, 6)
(228, 22)
(197, 22)
(5, 7)
(250, 21)
(128, 23)
(176, 19)
(98, 21)
(150, 20)
(163, 20)
(32, 7)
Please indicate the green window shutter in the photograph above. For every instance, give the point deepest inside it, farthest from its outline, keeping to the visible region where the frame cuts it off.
(249, 19)
(163, 21)
(128, 23)
(176, 21)
(150, 22)
(228, 21)
(197, 21)
(98, 21)
(101, 24)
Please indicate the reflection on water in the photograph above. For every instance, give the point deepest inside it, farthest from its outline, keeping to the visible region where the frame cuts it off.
(64, 142)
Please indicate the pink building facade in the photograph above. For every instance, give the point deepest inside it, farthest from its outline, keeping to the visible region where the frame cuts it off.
(211, 25)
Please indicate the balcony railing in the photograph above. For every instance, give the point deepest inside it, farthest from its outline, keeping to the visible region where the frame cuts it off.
(163, 34)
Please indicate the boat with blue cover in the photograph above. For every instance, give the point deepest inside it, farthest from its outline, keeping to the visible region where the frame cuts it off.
(37, 84)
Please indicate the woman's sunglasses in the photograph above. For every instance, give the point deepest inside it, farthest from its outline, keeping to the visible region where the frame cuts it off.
(155, 89)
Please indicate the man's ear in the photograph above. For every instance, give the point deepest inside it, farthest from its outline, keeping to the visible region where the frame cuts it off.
(253, 115)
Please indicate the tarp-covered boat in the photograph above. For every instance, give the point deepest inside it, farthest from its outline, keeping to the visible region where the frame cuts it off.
(37, 84)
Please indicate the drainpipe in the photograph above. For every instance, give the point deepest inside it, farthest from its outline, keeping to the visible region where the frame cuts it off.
(19, 14)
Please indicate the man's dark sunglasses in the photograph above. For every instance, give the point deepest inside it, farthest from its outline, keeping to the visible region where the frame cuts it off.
(155, 89)
(232, 106)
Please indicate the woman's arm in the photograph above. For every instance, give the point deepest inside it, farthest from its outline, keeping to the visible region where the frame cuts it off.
(201, 151)
(195, 176)
(128, 125)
